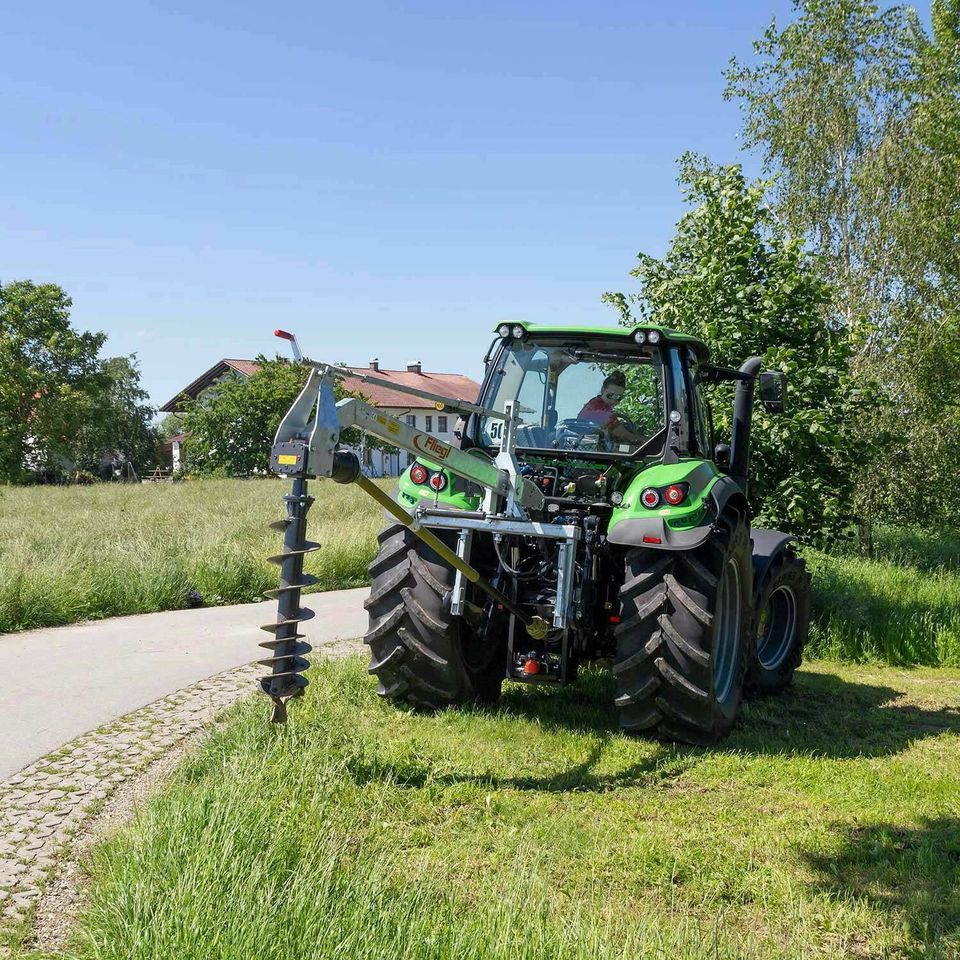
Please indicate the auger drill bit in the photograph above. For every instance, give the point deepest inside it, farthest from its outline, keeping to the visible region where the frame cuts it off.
(287, 648)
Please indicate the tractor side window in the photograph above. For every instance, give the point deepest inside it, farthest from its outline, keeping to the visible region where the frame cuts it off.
(701, 431)
(680, 401)
(520, 376)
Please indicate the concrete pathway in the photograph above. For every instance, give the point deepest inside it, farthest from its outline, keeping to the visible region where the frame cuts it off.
(62, 682)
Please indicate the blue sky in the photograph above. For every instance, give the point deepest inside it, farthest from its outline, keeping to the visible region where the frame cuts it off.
(385, 179)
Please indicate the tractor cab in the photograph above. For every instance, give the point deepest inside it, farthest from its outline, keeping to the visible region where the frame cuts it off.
(613, 395)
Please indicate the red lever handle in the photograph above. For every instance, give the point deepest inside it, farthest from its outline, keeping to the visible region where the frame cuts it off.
(283, 334)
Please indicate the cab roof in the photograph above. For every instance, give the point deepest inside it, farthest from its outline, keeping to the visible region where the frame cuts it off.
(623, 333)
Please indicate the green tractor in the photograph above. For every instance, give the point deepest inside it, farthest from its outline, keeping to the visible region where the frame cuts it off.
(586, 513)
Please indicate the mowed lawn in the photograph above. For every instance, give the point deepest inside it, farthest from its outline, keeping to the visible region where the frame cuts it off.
(827, 825)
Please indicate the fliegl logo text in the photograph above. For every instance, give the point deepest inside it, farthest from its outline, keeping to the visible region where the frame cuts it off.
(431, 446)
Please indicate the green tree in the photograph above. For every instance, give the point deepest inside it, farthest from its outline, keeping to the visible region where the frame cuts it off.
(48, 371)
(230, 428)
(856, 112)
(170, 426)
(117, 422)
(735, 279)
(826, 104)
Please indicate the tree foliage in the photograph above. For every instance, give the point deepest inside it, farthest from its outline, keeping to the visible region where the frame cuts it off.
(824, 104)
(736, 280)
(61, 404)
(48, 373)
(116, 426)
(230, 428)
(856, 112)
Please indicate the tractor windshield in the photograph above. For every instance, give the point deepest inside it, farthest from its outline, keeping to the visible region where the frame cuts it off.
(587, 397)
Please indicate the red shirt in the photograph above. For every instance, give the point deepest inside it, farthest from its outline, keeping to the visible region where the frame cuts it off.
(599, 411)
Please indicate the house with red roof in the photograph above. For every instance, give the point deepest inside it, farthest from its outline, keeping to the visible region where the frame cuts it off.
(419, 413)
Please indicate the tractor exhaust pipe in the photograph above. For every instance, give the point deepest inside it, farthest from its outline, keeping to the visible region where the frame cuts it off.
(742, 418)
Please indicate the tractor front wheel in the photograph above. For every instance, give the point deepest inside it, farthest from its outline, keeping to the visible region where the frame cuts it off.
(420, 654)
(683, 639)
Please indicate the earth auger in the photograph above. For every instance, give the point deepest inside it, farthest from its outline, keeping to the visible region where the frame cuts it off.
(305, 446)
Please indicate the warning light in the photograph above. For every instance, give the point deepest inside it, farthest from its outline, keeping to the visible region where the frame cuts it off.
(532, 667)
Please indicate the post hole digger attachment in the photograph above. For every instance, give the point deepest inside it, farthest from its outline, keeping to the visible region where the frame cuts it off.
(543, 537)
(306, 446)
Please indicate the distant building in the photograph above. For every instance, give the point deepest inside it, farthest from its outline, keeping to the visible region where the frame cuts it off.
(418, 413)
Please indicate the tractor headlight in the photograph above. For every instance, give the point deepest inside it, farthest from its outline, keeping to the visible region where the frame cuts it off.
(650, 498)
(639, 336)
(653, 336)
(518, 332)
(504, 330)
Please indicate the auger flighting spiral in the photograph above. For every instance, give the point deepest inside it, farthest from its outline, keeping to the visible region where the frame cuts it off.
(288, 646)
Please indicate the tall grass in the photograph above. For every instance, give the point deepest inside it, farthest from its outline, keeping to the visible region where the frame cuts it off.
(80, 553)
(901, 606)
(825, 826)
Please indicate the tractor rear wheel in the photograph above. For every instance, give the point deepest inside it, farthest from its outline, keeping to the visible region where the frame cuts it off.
(782, 624)
(421, 654)
(683, 639)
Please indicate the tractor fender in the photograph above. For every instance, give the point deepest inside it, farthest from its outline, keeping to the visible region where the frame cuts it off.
(767, 546)
(652, 532)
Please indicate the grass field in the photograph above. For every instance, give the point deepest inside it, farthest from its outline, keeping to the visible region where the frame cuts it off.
(827, 825)
(76, 553)
(82, 553)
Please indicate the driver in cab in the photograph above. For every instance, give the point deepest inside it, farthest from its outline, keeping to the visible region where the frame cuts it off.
(600, 410)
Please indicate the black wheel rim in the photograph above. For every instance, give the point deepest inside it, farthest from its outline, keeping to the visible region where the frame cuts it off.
(726, 637)
(777, 628)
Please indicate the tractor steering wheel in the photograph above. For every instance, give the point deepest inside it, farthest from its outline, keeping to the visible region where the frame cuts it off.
(571, 432)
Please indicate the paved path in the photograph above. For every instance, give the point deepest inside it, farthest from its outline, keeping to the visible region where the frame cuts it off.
(62, 682)
(44, 805)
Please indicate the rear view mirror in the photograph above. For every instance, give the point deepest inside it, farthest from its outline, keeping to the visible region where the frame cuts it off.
(773, 392)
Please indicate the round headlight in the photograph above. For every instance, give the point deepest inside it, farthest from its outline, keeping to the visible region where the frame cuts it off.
(653, 336)
(650, 498)
(518, 332)
(616, 498)
(504, 330)
(639, 336)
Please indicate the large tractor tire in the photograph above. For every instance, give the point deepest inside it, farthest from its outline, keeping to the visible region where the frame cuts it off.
(782, 624)
(684, 636)
(420, 654)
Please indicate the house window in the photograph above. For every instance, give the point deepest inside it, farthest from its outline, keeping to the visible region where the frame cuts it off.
(411, 420)
(441, 424)
(429, 423)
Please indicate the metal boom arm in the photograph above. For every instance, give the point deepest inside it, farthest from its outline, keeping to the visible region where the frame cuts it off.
(308, 435)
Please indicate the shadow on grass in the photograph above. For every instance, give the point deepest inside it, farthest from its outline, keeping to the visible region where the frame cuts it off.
(924, 550)
(822, 716)
(911, 871)
(669, 763)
